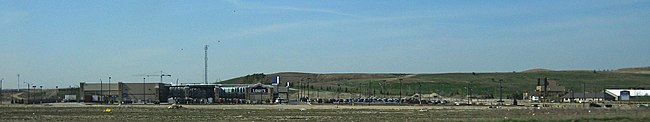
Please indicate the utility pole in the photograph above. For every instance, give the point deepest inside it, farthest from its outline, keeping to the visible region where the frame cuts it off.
(308, 79)
(205, 78)
(338, 94)
(400, 90)
(500, 92)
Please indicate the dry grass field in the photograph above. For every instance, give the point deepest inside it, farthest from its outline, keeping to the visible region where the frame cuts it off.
(79, 112)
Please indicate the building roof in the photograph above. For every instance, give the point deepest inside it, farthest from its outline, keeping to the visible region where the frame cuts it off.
(582, 95)
(633, 92)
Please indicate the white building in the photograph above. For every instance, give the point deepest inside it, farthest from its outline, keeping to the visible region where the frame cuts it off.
(625, 94)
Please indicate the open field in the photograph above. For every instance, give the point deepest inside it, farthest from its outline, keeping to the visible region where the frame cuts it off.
(78, 112)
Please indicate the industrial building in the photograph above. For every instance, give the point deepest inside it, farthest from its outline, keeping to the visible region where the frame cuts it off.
(123, 92)
(180, 93)
(549, 90)
(583, 97)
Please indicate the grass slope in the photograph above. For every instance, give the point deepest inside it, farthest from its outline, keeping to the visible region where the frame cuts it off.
(455, 84)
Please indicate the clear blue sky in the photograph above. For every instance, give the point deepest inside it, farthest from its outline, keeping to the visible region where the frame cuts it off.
(63, 42)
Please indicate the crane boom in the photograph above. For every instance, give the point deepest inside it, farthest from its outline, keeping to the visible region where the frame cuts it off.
(161, 76)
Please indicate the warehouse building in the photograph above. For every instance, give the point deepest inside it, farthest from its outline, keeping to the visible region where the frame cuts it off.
(123, 92)
(180, 93)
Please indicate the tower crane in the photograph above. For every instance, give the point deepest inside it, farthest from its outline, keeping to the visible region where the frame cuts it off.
(162, 74)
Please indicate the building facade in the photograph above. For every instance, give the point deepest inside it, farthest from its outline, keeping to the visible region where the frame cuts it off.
(123, 92)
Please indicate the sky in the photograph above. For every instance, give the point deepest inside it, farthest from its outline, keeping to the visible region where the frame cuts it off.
(64, 42)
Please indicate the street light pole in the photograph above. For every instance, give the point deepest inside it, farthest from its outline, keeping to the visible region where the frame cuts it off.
(18, 82)
(144, 90)
(43, 95)
(34, 93)
(109, 91)
(101, 90)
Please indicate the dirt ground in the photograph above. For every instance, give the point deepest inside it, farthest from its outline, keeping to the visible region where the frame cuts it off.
(82, 112)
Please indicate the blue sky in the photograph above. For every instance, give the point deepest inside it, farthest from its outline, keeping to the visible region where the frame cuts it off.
(64, 42)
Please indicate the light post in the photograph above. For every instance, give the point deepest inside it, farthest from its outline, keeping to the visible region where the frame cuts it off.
(110, 98)
(101, 90)
(42, 95)
(57, 93)
(144, 90)
(18, 82)
(34, 93)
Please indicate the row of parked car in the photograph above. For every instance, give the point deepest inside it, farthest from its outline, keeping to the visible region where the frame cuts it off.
(375, 100)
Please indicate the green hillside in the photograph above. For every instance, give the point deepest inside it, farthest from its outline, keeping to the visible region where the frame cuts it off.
(454, 84)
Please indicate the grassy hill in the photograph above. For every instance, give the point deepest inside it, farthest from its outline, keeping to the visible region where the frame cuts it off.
(641, 70)
(455, 84)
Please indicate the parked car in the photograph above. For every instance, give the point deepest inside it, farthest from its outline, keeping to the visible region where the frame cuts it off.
(281, 100)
